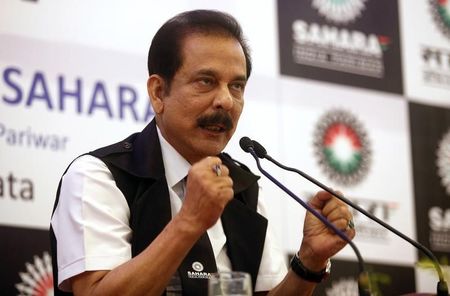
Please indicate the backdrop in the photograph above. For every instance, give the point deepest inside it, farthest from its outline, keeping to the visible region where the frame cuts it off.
(354, 92)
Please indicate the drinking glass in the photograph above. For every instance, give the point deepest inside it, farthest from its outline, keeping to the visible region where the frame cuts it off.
(230, 283)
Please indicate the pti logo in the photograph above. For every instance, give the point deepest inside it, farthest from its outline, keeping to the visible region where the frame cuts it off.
(440, 9)
(342, 147)
(339, 11)
(37, 280)
(443, 161)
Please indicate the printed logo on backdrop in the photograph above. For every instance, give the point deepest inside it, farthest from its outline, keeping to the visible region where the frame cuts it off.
(34, 88)
(440, 217)
(435, 66)
(368, 230)
(354, 42)
(24, 88)
(440, 10)
(26, 267)
(435, 59)
(343, 152)
(30, 137)
(443, 161)
(342, 147)
(430, 143)
(14, 187)
(340, 12)
(37, 278)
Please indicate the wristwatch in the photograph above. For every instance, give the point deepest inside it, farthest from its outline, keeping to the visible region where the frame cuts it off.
(306, 274)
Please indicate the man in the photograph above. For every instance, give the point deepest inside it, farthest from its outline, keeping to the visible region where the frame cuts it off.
(158, 212)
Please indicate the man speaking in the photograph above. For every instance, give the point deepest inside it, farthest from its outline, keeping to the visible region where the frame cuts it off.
(158, 212)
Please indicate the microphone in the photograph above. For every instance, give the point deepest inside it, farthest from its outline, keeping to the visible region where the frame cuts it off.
(442, 288)
(363, 280)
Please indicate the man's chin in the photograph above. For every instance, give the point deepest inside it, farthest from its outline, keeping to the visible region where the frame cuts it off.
(212, 148)
(213, 151)
(211, 145)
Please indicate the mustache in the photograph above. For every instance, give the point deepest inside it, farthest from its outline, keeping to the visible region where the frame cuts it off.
(217, 118)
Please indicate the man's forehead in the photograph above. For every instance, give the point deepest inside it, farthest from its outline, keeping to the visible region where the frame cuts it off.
(194, 43)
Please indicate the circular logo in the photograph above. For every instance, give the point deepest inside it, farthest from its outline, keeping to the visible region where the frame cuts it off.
(37, 280)
(339, 11)
(197, 266)
(443, 161)
(342, 147)
(440, 9)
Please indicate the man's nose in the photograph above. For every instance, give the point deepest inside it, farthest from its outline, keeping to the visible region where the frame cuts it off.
(224, 98)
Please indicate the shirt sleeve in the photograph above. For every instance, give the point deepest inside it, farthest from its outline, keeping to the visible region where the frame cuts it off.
(90, 222)
(273, 266)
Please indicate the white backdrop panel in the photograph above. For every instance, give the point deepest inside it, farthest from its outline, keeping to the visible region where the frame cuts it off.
(388, 184)
(31, 107)
(128, 26)
(425, 54)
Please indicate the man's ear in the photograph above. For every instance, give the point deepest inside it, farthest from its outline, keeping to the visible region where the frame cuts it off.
(156, 90)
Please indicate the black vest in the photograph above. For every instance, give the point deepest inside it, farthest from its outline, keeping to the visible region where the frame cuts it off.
(137, 167)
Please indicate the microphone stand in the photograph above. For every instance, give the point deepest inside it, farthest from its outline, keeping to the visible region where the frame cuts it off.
(363, 279)
(442, 288)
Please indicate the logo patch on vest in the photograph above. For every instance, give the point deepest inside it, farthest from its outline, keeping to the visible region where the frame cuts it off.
(198, 275)
(198, 272)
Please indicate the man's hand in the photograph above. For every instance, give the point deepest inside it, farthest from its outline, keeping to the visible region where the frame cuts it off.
(208, 190)
(319, 242)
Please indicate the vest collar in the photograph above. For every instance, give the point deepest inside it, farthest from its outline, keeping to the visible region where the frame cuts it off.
(144, 161)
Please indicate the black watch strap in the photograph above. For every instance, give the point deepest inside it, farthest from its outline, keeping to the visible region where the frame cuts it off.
(306, 274)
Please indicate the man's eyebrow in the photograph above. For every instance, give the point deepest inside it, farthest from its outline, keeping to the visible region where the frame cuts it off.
(211, 72)
(208, 72)
(241, 78)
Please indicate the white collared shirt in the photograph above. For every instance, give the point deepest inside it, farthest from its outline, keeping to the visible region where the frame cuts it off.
(177, 168)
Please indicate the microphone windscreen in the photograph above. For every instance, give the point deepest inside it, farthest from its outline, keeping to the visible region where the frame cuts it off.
(260, 151)
(246, 144)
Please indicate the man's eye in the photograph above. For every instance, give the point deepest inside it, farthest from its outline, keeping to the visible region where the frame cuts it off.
(238, 86)
(205, 81)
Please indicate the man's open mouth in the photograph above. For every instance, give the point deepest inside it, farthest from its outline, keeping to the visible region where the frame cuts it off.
(218, 122)
(215, 128)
